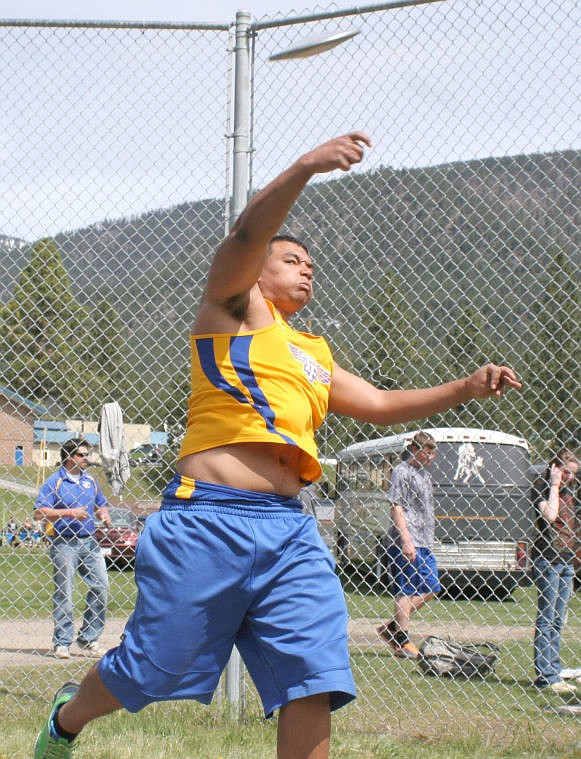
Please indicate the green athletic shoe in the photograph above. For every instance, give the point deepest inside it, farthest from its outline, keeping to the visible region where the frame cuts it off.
(48, 744)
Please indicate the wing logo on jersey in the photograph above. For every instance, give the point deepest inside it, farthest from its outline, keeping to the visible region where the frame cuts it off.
(314, 372)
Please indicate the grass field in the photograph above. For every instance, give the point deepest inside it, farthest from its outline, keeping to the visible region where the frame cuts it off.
(17, 505)
(399, 712)
(27, 581)
(450, 725)
(27, 586)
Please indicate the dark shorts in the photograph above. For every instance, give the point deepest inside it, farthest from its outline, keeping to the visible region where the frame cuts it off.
(223, 568)
(415, 578)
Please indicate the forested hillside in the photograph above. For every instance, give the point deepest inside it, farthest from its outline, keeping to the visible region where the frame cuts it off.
(467, 251)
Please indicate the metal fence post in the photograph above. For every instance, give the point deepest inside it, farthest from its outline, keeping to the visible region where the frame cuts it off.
(240, 174)
(241, 137)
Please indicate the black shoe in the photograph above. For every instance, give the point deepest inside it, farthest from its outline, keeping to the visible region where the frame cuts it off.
(386, 633)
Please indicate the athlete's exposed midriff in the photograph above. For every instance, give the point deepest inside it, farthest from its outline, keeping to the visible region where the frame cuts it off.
(263, 467)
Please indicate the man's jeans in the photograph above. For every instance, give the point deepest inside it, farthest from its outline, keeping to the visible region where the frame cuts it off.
(69, 556)
(554, 583)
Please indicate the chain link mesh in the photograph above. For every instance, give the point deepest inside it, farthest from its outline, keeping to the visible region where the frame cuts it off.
(455, 242)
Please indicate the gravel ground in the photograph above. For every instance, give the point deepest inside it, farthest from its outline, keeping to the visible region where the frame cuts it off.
(25, 642)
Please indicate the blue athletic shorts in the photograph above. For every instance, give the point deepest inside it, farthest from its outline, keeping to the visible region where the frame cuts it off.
(218, 567)
(413, 578)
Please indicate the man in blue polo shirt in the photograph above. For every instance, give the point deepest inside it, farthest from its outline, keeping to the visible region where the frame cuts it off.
(70, 499)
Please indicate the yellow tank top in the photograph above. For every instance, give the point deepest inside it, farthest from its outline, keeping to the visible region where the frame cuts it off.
(266, 386)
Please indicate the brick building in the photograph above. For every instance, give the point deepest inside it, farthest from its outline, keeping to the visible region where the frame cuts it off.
(17, 417)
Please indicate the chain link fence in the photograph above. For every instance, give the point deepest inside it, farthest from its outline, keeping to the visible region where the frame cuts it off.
(455, 242)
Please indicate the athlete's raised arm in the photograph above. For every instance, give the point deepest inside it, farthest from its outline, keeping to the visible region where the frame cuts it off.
(239, 259)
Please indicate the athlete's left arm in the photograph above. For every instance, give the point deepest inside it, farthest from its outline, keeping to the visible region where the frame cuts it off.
(355, 397)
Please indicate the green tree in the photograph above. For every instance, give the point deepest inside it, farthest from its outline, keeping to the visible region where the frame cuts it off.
(389, 349)
(552, 375)
(41, 328)
(108, 374)
(469, 345)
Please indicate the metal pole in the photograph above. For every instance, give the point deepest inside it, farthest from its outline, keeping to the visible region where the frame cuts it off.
(342, 13)
(241, 141)
(240, 175)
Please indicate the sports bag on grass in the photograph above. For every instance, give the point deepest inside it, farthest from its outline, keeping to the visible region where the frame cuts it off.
(441, 657)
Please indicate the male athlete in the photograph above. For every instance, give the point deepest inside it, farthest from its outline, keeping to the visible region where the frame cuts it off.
(230, 559)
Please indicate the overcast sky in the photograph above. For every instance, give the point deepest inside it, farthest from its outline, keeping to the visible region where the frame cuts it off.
(148, 10)
(110, 124)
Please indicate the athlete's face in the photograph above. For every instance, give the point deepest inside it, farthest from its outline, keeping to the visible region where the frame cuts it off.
(287, 277)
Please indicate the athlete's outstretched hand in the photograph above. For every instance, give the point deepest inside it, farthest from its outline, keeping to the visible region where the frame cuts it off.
(492, 380)
(339, 153)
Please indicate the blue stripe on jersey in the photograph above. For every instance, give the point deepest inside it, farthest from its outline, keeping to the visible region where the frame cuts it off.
(205, 348)
(239, 356)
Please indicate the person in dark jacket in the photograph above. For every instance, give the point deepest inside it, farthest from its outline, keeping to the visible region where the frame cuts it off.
(556, 533)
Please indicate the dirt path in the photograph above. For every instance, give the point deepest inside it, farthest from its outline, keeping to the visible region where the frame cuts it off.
(28, 641)
(362, 632)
